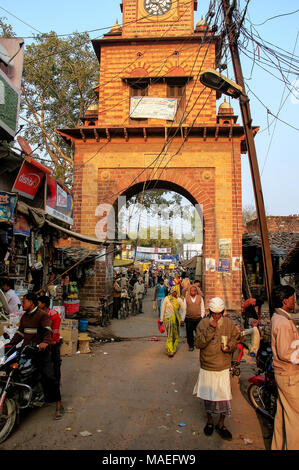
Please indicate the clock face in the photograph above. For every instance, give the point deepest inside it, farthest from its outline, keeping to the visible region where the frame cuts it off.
(157, 7)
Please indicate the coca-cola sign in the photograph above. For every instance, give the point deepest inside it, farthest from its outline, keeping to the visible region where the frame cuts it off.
(28, 180)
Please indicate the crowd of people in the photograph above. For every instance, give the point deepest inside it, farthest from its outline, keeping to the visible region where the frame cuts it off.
(179, 301)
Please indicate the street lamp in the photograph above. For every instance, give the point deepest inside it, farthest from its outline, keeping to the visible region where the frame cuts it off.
(212, 79)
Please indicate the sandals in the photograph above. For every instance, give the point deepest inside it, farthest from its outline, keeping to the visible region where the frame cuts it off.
(208, 430)
(59, 413)
(224, 433)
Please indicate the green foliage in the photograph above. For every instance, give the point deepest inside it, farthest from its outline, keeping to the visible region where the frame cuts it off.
(6, 30)
(58, 80)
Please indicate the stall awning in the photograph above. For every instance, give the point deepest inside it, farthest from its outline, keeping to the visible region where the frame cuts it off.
(123, 263)
(79, 236)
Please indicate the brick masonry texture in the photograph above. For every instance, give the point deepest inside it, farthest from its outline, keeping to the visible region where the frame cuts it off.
(207, 170)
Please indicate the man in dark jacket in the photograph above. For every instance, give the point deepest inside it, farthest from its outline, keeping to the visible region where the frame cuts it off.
(35, 328)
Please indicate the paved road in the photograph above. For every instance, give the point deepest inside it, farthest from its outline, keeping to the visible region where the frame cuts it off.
(134, 397)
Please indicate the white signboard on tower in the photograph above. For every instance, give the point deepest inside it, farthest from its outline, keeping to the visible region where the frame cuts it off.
(147, 107)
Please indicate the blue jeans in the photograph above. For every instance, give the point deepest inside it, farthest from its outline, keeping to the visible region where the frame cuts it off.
(160, 301)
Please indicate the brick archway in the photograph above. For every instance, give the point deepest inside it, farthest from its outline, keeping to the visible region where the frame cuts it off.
(186, 187)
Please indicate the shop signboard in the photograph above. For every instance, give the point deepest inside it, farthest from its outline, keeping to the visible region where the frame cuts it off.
(29, 179)
(9, 107)
(146, 107)
(8, 203)
(59, 204)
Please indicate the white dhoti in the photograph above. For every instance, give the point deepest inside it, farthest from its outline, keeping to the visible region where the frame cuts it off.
(214, 386)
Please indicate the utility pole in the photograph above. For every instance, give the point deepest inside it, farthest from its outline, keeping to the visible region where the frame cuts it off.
(247, 124)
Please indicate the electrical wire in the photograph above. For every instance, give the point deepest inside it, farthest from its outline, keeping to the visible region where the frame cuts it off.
(152, 176)
(183, 117)
(32, 27)
(282, 102)
(186, 9)
(277, 16)
(87, 31)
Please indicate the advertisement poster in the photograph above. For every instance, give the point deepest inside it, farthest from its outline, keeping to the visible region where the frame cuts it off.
(21, 226)
(225, 247)
(223, 265)
(237, 263)
(210, 265)
(8, 203)
(59, 203)
(145, 107)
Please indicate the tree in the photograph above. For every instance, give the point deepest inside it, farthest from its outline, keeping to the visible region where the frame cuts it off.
(6, 30)
(58, 80)
(248, 213)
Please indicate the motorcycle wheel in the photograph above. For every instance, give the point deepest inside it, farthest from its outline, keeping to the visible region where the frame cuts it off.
(8, 415)
(255, 395)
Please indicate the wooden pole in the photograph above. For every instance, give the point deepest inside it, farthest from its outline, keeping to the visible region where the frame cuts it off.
(254, 168)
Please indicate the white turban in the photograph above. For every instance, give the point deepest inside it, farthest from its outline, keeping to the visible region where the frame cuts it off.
(216, 305)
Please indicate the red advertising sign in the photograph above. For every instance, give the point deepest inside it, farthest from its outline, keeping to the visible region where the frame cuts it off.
(28, 180)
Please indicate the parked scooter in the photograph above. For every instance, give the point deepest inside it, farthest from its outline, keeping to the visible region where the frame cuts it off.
(262, 391)
(20, 385)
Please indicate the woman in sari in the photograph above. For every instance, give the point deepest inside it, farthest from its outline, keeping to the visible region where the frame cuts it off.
(173, 315)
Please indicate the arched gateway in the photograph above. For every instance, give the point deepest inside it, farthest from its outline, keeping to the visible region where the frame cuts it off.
(157, 60)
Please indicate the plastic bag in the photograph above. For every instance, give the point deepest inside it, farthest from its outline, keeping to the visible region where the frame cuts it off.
(154, 306)
(160, 326)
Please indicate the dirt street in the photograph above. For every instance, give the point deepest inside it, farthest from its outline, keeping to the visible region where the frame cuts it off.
(130, 396)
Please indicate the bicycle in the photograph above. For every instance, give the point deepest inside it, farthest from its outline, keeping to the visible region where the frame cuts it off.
(134, 305)
(104, 312)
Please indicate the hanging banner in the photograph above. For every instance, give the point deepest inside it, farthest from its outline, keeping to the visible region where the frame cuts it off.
(59, 203)
(146, 249)
(144, 107)
(7, 206)
(29, 179)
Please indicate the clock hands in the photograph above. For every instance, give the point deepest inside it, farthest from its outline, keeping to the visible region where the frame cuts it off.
(157, 7)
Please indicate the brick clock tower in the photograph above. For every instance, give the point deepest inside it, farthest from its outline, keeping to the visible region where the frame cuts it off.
(156, 57)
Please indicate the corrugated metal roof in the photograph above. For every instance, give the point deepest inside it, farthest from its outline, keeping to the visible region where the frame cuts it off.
(280, 242)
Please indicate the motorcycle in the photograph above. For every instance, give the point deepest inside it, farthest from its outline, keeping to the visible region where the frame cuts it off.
(262, 391)
(252, 346)
(20, 385)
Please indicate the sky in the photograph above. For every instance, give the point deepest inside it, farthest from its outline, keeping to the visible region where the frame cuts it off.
(277, 146)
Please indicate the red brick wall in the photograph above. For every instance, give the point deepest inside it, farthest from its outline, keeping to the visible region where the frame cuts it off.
(288, 223)
(120, 60)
